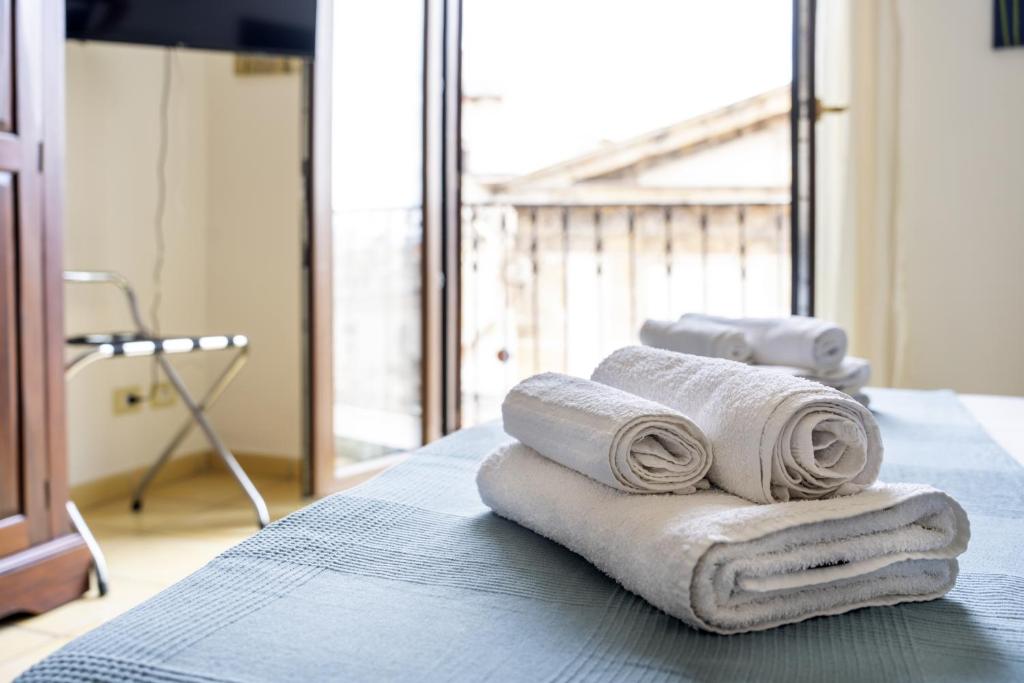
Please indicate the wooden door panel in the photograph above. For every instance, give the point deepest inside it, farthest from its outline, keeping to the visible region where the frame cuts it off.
(13, 534)
(28, 182)
(10, 447)
(14, 525)
(24, 456)
(6, 67)
(43, 562)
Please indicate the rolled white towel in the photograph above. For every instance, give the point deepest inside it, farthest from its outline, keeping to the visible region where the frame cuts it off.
(796, 340)
(697, 335)
(726, 565)
(774, 437)
(614, 437)
(852, 375)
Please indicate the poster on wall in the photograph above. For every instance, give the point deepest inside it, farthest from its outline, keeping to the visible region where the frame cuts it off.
(1008, 23)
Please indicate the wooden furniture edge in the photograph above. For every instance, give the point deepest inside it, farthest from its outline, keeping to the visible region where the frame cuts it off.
(44, 576)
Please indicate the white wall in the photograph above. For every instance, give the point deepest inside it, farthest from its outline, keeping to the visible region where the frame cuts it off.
(254, 250)
(112, 126)
(232, 227)
(960, 202)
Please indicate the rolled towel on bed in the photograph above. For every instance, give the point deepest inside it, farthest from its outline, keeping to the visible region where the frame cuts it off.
(697, 335)
(796, 340)
(774, 437)
(616, 438)
(852, 375)
(726, 565)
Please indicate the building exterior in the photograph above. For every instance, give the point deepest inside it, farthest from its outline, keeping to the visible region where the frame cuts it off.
(692, 216)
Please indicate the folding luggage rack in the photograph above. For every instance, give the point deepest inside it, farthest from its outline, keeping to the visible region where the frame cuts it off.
(140, 342)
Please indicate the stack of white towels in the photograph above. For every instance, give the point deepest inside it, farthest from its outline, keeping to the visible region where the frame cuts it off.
(769, 510)
(799, 346)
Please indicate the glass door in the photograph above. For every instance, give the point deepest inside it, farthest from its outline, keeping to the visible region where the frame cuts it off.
(517, 184)
(377, 227)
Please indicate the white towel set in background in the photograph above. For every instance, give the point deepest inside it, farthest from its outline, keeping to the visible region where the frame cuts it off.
(799, 346)
(794, 341)
(852, 375)
(699, 336)
(616, 438)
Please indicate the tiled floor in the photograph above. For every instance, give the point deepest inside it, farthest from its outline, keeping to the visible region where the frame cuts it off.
(183, 525)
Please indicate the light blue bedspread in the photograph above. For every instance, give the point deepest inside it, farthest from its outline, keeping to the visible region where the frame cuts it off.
(410, 577)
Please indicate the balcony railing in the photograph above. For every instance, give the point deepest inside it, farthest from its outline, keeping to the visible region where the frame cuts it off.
(544, 287)
(556, 287)
(377, 330)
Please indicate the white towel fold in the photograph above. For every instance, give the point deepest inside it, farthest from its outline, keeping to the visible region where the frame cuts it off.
(725, 565)
(796, 340)
(697, 335)
(616, 438)
(852, 375)
(774, 437)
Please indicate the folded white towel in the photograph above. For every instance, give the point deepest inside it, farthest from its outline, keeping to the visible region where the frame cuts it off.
(726, 565)
(774, 437)
(852, 375)
(697, 335)
(796, 340)
(619, 439)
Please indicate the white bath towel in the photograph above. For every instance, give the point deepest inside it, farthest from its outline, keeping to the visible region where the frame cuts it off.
(616, 438)
(796, 340)
(774, 437)
(852, 375)
(725, 565)
(699, 336)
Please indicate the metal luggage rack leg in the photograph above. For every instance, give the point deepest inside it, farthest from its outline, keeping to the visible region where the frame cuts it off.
(198, 411)
(144, 345)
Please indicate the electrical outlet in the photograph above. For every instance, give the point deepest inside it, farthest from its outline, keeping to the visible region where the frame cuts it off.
(127, 400)
(163, 395)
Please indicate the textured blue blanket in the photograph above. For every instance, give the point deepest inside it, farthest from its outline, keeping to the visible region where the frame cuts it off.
(409, 577)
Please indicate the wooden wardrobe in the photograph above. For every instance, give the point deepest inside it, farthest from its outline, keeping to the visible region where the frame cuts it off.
(43, 562)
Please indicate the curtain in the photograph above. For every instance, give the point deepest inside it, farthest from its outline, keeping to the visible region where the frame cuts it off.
(858, 237)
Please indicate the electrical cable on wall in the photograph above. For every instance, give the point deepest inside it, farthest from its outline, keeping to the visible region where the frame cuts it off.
(160, 246)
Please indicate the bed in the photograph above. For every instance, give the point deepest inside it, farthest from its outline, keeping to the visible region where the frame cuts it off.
(410, 577)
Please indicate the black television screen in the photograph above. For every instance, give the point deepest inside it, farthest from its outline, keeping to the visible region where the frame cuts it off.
(269, 26)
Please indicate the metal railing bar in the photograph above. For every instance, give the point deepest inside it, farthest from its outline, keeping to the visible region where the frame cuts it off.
(505, 259)
(626, 205)
(475, 233)
(599, 269)
(667, 219)
(780, 283)
(535, 299)
(631, 228)
(565, 287)
(741, 226)
(704, 248)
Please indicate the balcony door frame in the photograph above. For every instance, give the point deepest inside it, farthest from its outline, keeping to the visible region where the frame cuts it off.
(803, 115)
(441, 173)
(442, 210)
